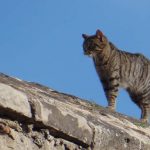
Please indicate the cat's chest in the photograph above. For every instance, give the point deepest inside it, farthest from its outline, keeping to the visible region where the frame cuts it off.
(103, 72)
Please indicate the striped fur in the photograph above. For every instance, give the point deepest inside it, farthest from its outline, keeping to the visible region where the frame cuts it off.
(118, 68)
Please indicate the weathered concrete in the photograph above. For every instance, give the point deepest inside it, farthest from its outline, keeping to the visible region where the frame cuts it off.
(35, 117)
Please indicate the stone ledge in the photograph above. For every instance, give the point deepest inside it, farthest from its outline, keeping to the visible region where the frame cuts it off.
(52, 120)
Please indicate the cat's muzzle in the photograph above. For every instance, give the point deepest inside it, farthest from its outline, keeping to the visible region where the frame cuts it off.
(87, 53)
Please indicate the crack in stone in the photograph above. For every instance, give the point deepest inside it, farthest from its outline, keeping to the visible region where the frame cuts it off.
(93, 137)
(6, 113)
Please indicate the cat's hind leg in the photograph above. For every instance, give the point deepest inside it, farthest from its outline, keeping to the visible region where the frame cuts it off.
(145, 112)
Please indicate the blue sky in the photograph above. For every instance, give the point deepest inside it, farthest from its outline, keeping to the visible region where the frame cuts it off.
(41, 41)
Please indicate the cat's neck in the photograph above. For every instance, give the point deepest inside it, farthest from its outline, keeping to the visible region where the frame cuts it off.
(103, 57)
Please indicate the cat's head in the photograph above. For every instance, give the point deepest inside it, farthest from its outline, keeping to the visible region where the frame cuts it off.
(94, 44)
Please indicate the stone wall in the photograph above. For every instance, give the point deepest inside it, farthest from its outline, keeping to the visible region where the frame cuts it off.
(35, 117)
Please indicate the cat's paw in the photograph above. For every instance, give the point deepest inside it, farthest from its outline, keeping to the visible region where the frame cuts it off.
(144, 120)
(112, 108)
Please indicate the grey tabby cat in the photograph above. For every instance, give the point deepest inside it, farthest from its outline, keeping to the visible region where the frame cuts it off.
(118, 68)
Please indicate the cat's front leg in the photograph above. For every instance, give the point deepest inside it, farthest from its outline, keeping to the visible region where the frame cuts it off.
(111, 88)
(111, 99)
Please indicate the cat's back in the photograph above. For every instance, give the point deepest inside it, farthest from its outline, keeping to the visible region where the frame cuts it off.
(134, 58)
(134, 69)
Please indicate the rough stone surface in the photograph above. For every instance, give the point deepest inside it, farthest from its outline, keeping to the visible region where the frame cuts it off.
(34, 117)
(13, 99)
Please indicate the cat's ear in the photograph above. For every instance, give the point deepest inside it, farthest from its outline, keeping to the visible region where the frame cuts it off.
(85, 36)
(99, 34)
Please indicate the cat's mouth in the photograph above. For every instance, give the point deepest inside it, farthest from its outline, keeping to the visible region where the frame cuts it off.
(87, 52)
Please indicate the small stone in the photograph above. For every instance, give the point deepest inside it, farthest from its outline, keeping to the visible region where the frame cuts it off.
(50, 138)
